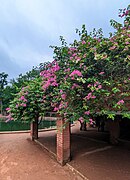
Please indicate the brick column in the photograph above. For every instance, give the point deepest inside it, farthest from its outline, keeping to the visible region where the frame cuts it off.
(63, 142)
(34, 130)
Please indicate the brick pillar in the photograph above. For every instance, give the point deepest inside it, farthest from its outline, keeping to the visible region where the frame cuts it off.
(63, 142)
(34, 130)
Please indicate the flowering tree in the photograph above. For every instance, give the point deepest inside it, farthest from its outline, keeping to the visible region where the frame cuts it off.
(28, 104)
(91, 75)
(88, 77)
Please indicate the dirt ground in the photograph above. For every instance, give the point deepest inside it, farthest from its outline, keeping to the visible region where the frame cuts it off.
(92, 156)
(21, 159)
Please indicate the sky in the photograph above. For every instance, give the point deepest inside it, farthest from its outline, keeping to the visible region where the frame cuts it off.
(29, 27)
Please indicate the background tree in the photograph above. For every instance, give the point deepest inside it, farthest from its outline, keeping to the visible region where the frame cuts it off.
(3, 83)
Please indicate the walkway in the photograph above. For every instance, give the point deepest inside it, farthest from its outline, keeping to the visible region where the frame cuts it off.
(22, 159)
(92, 156)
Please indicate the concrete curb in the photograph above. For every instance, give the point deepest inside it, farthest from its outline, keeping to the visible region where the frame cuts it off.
(67, 164)
(26, 131)
(76, 171)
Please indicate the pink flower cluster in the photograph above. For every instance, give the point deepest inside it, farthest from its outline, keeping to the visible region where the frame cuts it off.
(120, 102)
(9, 118)
(63, 96)
(91, 121)
(112, 47)
(90, 96)
(81, 119)
(60, 106)
(75, 86)
(75, 72)
(23, 99)
(101, 73)
(97, 86)
(49, 75)
(83, 42)
(8, 109)
(87, 112)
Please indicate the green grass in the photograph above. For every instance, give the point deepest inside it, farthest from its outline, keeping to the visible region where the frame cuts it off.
(18, 125)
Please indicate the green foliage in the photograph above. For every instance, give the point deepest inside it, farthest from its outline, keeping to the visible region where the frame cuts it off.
(87, 77)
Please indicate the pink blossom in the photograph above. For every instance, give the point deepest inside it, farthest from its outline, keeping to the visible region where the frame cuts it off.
(101, 73)
(63, 96)
(72, 49)
(78, 59)
(23, 105)
(23, 88)
(72, 78)
(81, 119)
(99, 86)
(91, 121)
(26, 93)
(113, 47)
(46, 85)
(56, 67)
(56, 109)
(74, 54)
(90, 96)
(93, 97)
(54, 84)
(71, 58)
(22, 98)
(89, 85)
(76, 72)
(61, 91)
(84, 56)
(67, 70)
(83, 42)
(87, 112)
(8, 109)
(127, 12)
(120, 102)
(9, 118)
(81, 64)
(74, 86)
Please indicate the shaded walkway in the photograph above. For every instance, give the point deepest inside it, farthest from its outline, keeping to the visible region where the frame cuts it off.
(22, 159)
(92, 155)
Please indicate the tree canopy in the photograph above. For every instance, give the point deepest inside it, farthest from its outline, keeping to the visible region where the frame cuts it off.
(87, 77)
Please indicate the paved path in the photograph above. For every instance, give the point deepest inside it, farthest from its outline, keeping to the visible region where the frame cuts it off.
(21, 159)
(92, 155)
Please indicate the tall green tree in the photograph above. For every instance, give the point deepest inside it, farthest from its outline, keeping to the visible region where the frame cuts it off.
(3, 83)
(3, 80)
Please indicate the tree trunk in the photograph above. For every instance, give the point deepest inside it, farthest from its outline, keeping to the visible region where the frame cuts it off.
(114, 129)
